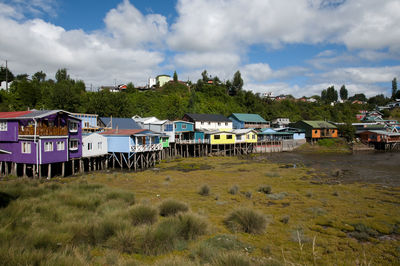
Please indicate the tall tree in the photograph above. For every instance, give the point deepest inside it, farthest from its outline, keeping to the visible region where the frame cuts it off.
(204, 75)
(343, 92)
(237, 81)
(323, 96)
(62, 75)
(394, 88)
(39, 76)
(331, 94)
(10, 75)
(175, 76)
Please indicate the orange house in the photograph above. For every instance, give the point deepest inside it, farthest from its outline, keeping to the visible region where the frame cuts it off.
(317, 129)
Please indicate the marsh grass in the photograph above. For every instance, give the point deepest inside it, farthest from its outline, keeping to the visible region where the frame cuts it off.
(143, 214)
(204, 190)
(234, 190)
(171, 207)
(246, 220)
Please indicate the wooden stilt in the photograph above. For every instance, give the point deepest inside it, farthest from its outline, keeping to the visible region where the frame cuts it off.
(63, 169)
(129, 163)
(106, 162)
(120, 160)
(49, 171)
(40, 171)
(135, 163)
(73, 167)
(24, 170)
(34, 175)
(14, 168)
(1, 169)
(141, 161)
(81, 166)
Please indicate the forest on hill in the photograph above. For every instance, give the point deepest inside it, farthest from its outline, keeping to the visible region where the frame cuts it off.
(172, 100)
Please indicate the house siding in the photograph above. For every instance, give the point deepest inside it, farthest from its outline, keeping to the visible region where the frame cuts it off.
(54, 156)
(12, 131)
(94, 139)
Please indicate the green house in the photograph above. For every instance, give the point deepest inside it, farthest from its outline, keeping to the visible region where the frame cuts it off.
(165, 141)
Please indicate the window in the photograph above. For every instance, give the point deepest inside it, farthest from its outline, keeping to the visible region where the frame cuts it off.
(89, 146)
(228, 136)
(209, 123)
(217, 137)
(60, 145)
(247, 137)
(315, 131)
(73, 126)
(48, 146)
(219, 123)
(238, 137)
(226, 123)
(25, 147)
(3, 126)
(253, 136)
(175, 126)
(183, 126)
(100, 145)
(87, 124)
(202, 123)
(73, 144)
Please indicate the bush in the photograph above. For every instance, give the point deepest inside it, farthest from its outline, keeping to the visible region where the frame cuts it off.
(191, 226)
(265, 189)
(171, 207)
(277, 196)
(234, 190)
(249, 195)
(204, 190)
(143, 214)
(246, 220)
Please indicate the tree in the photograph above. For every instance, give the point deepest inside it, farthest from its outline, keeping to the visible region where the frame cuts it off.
(175, 76)
(347, 131)
(358, 97)
(204, 75)
(323, 96)
(343, 93)
(39, 76)
(331, 94)
(62, 75)
(394, 88)
(237, 81)
(22, 77)
(10, 75)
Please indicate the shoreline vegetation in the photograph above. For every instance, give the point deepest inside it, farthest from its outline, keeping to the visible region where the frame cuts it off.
(214, 210)
(338, 146)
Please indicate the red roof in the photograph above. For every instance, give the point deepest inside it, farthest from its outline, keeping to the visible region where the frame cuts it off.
(122, 132)
(14, 114)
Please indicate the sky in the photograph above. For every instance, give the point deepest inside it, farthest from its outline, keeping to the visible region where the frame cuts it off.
(297, 47)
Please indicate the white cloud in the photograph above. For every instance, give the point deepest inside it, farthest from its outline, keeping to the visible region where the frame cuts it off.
(97, 58)
(128, 25)
(362, 75)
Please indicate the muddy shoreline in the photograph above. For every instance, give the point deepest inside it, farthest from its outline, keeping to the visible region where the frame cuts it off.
(364, 167)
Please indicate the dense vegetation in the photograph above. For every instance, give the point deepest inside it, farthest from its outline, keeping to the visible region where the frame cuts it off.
(173, 100)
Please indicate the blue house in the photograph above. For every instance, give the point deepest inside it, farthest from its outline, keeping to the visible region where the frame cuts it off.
(89, 122)
(272, 135)
(254, 121)
(297, 132)
(184, 131)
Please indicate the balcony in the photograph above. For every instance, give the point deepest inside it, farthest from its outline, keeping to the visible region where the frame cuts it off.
(42, 131)
(192, 141)
(147, 147)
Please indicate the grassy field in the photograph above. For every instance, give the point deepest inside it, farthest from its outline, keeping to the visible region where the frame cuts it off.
(215, 211)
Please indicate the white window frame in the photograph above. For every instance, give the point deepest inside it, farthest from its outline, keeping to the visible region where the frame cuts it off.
(73, 147)
(3, 126)
(26, 147)
(48, 146)
(100, 145)
(183, 126)
(73, 126)
(60, 145)
(89, 146)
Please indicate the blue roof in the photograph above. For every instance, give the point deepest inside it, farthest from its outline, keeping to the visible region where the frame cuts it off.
(121, 123)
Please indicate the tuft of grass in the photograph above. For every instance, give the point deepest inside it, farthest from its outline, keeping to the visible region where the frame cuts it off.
(172, 207)
(143, 214)
(249, 195)
(277, 196)
(191, 226)
(265, 189)
(232, 258)
(285, 219)
(204, 190)
(234, 190)
(246, 220)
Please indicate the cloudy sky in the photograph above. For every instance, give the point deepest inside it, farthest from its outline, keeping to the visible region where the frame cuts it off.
(296, 47)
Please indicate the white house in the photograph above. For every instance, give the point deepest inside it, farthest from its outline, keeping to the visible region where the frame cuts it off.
(210, 122)
(280, 122)
(94, 145)
(154, 124)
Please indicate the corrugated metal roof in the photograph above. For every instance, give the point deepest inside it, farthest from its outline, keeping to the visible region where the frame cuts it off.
(122, 132)
(383, 132)
(251, 118)
(319, 124)
(13, 114)
(243, 131)
(121, 123)
(208, 117)
(31, 114)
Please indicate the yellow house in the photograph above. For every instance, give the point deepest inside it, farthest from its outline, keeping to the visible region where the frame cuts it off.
(220, 137)
(245, 135)
(162, 79)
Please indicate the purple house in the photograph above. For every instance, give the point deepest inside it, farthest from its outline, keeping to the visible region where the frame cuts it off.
(35, 138)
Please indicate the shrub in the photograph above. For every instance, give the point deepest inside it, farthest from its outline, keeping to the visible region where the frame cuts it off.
(171, 207)
(125, 240)
(234, 190)
(204, 190)
(249, 195)
(143, 214)
(232, 258)
(191, 226)
(277, 196)
(126, 196)
(246, 220)
(265, 189)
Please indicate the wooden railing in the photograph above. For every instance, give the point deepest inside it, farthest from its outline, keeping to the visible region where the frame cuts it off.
(148, 147)
(192, 141)
(43, 131)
